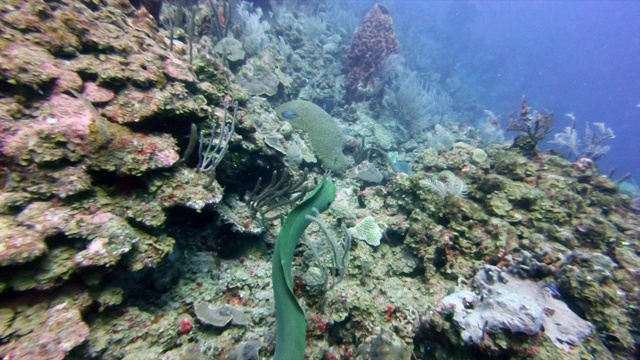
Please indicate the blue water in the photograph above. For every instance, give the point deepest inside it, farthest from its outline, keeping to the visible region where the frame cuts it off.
(580, 57)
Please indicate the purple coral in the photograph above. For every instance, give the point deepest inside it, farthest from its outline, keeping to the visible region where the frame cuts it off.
(371, 44)
(533, 124)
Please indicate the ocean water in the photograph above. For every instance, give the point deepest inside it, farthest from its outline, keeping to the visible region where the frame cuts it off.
(579, 57)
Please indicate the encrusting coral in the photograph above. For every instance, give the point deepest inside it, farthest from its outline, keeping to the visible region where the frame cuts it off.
(517, 306)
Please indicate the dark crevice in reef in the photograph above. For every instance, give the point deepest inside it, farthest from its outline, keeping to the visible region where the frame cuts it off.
(178, 126)
(118, 184)
(239, 171)
(204, 231)
(194, 231)
(182, 217)
(59, 164)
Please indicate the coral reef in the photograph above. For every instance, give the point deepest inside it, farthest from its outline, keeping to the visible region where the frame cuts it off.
(90, 162)
(114, 247)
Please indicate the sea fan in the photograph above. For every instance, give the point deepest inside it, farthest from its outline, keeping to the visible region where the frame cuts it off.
(568, 138)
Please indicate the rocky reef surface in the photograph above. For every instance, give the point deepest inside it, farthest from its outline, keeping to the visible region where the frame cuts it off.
(113, 245)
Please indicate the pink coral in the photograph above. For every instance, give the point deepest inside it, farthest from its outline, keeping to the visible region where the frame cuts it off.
(74, 117)
(66, 119)
(97, 94)
(371, 44)
(166, 158)
(178, 70)
(19, 244)
(67, 80)
(62, 331)
(137, 153)
(127, 107)
(112, 237)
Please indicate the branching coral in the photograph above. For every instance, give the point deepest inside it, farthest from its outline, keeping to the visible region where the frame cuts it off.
(533, 124)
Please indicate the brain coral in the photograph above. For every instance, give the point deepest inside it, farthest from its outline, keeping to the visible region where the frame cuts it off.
(322, 131)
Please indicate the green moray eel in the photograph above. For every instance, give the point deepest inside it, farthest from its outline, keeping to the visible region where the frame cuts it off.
(291, 324)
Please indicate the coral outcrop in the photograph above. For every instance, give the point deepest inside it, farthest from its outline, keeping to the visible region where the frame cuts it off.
(92, 109)
(92, 77)
(61, 330)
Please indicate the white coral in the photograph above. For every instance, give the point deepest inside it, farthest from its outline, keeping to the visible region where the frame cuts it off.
(368, 231)
(519, 306)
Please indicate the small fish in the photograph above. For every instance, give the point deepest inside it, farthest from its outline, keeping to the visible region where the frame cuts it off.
(553, 289)
(289, 114)
(403, 167)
